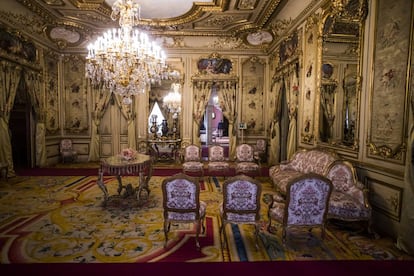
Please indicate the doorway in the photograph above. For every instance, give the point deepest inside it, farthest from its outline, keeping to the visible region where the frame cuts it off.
(214, 128)
(20, 129)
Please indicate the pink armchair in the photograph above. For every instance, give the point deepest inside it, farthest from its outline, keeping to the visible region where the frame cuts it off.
(306, 204)
(241, 203)
(217, 164)
(181, 203)
(245, 161)
(66, 150)
(192, 164)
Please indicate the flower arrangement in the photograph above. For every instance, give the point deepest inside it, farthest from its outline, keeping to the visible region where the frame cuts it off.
(128, 154)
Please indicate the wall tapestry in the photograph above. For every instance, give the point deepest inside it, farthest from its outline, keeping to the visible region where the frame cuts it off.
(308, 101)
(389, 90)
(252, 112)
(52, 94)
(76, 104)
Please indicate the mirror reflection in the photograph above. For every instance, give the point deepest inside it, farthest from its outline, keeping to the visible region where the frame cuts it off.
(339, 83)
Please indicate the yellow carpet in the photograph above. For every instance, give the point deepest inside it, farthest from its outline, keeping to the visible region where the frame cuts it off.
(61, 219)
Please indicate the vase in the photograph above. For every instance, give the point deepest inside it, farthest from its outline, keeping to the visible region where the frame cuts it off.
(164, 128)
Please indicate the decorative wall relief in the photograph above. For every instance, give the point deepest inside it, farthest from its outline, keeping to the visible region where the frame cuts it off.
(76, 104)
(252, 99)
(52, 94)
(307, 102)
(388, 125)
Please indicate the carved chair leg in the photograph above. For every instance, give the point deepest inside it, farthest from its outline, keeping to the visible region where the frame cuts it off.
(256, 235)
(166, 230)
(197, 234)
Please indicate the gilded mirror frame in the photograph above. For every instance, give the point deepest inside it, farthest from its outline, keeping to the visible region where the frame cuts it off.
(341, 28)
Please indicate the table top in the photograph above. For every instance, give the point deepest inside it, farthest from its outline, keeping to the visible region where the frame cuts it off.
(118, 161)
(164, 140)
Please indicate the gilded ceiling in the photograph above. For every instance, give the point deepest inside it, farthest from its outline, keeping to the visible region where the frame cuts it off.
(72, 24)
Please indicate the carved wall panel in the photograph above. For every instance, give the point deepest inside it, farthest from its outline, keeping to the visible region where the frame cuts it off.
(385, 198)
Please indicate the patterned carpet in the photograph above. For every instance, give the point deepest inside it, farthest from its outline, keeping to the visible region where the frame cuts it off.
(61, 219)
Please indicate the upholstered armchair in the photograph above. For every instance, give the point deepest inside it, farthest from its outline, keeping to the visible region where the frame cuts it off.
(181, 203)
(192, 164)
(66, 151)
(245, 161)
(241, 203)
(217, 164)
(306, 204)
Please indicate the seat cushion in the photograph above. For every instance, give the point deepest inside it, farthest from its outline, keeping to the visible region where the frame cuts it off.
(218, 166)
(238, 217)
(247, 167)
(281, 179)
(346, 207)
(190, 216)
(193, 166)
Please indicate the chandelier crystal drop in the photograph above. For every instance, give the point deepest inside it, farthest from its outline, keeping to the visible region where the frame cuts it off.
(125, 59)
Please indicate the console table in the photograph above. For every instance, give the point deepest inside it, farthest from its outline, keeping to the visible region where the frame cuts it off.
(165, 149)
(116, 166)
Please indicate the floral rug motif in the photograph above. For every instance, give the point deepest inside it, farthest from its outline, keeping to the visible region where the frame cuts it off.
(63, 219)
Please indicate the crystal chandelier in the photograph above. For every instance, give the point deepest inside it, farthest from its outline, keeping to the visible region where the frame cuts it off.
(124, 59)
(173, 99)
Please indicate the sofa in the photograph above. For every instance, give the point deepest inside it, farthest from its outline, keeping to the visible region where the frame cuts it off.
(349, 198)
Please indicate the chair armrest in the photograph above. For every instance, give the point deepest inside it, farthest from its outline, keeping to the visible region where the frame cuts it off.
(270, 198)
(365, 192)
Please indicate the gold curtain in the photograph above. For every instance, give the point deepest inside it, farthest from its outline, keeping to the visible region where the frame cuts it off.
(274, 152)
(227, 100)
(9, 80)
(292, 89)
(201, 97)
(101, 100)
(34, 84)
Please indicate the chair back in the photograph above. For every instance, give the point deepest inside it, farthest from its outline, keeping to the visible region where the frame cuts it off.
(192, 153)
(216, 153)
(244, 153)
(181, 194)
(65, 145)
(260, 145)
(241, 199)
(307, 200)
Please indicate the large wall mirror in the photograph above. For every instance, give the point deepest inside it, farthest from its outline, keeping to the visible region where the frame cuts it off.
(340, 73)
